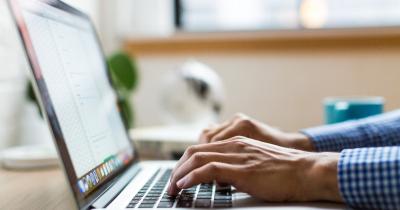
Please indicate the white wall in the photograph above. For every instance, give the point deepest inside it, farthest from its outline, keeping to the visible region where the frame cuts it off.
(283, 88)
(12, 78)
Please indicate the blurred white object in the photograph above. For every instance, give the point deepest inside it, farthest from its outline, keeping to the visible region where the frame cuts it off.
(143, 18)
(164, 142)
(193, 95)
(10, 49)
(29, 157)
(20, 122)
(34, 130)
(12, 79)
(12, 99)
(36, 148)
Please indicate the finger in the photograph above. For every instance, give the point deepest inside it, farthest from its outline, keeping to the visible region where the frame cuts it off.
(207, 134)
(229, 132)
(220, 172)
(210, 133)
(198, 160)
(236, 144)
(220, 147)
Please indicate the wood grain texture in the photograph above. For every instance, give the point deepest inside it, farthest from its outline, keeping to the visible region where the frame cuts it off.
(35, 190)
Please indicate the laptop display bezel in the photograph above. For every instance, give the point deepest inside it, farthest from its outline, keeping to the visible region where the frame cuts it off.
(46, 104)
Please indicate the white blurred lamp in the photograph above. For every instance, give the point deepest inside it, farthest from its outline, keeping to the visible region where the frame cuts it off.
(192, 95)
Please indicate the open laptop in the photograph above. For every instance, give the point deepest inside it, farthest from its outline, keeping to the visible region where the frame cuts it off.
(79, 103)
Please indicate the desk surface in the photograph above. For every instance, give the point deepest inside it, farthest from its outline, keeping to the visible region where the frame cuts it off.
(38, 190)
(41, 190)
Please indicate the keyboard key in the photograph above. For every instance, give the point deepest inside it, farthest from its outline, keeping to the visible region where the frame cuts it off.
(222, 205)
(148, 202)
(145, 205)
(222, 197)
(223, 193)
(131, 205)
(168, 196)
(153, 195)
(187, 195)
(204, 194)
(225, 187)
(186, 199)
(134, 202)
(184, 204)
(202, 203)
(165, 205)
(166, 200)
(151, 198)
(137, 198)
(204, 197)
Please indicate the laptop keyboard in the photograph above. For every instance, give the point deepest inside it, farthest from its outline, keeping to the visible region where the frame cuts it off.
(153, 195)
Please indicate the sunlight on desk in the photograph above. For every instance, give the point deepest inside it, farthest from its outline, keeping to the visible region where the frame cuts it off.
(41, 190)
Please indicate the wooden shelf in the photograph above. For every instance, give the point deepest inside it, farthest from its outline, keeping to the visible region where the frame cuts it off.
(231, 42)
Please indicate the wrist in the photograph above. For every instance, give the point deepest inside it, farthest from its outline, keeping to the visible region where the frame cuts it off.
(300, 141)
(321, 178)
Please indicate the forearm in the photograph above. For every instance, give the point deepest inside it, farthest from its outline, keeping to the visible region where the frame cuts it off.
(383, 130)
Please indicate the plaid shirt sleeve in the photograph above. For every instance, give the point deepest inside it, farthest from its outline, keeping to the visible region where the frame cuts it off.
(377, 131)
(368, 176)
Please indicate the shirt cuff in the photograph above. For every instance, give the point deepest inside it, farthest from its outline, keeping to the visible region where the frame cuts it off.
(369, 178)
(336, 137)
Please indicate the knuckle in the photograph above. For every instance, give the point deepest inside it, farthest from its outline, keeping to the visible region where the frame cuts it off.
(207, 135)
(205, 131)
(213, 167)
(239, 143)
(191, 150)
(245, 123)
(248, 158)
(198, 157)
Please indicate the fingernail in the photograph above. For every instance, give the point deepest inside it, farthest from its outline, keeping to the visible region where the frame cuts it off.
(181, 183)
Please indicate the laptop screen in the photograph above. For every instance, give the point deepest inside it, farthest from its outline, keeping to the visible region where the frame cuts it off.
(71, 72)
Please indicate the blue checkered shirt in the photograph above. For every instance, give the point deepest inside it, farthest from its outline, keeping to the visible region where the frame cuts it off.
(369, 164)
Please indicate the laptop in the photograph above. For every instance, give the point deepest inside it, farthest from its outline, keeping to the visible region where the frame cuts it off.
(71, 80)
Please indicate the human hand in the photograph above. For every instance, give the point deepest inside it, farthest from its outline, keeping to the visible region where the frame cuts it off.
(242, 125)
(263, 170)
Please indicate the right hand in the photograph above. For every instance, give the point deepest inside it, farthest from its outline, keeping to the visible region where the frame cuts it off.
(263, 170)
(242, 125)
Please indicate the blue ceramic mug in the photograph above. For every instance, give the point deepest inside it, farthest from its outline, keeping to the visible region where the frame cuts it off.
(340, 109)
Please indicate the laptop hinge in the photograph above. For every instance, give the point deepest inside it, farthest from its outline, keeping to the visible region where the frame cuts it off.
(108, 196)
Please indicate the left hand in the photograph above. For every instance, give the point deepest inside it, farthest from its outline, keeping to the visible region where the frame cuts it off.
(263, 170)
(242, 125)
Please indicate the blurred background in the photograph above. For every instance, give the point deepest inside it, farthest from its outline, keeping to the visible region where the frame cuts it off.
(276, 59)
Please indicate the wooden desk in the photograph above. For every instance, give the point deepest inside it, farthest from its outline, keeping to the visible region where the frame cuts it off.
(41, 190)
(45, 189)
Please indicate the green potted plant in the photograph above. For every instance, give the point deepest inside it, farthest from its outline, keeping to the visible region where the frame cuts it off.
(124, 74)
